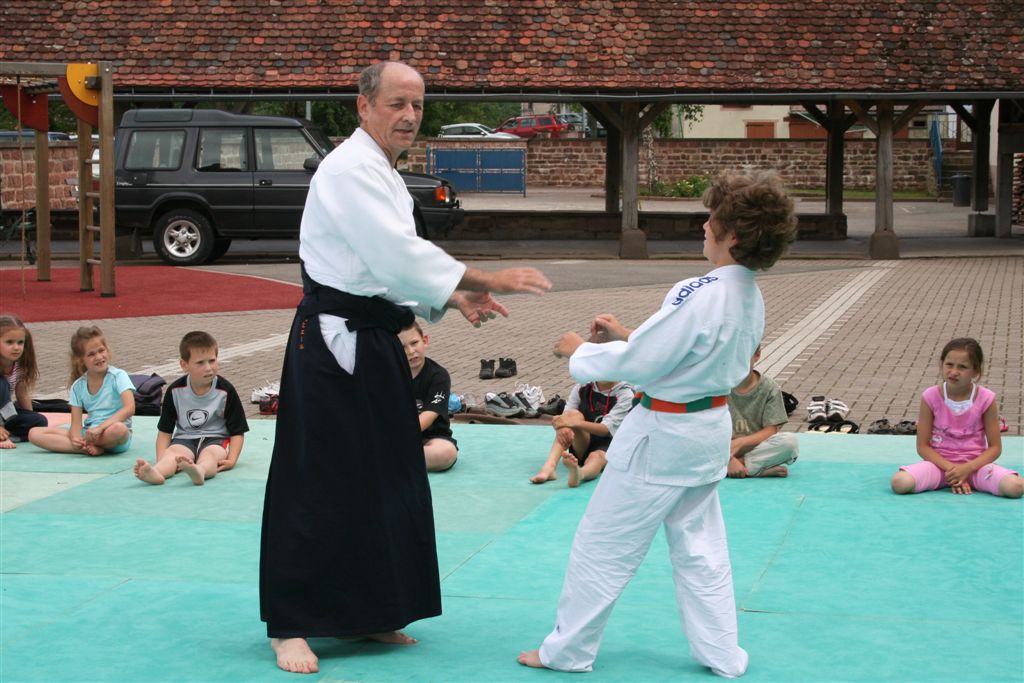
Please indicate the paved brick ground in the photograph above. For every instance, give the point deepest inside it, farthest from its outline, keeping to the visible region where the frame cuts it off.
(877, 355)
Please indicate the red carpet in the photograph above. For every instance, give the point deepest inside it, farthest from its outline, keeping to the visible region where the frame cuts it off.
(141, 291)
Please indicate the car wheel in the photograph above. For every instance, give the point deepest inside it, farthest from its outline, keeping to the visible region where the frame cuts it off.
(220, 247)
(183, 237)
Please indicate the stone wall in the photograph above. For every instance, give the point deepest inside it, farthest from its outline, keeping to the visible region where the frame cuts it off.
(570, 163)
(18, 180)
(580, 163)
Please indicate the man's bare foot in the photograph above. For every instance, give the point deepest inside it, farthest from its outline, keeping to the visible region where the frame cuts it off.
(293, 654)
(543, 476)
(777, 471)
(391, 638)
(148, 473)
(186, 465)
(530, 658)
(7, 443)
(573, 466)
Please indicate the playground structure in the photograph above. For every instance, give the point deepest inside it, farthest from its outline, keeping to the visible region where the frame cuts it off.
(88, 91)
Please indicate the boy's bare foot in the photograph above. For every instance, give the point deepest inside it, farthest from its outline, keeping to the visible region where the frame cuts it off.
(543, 476)
(573, 466)
(148, 473)
(186, 465)
(777, 471)
(530, 658)
(391, 638)
(7, 443)
(293, 654)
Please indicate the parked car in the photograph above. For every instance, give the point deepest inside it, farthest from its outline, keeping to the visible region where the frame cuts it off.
(576, 121)
(29, 135)
(473, 131)
(195, 179)
(529, 126)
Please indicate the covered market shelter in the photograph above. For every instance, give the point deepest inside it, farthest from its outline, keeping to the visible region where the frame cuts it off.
(872, 63)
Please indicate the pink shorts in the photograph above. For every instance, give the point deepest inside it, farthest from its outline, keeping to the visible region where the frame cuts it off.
(928, 477)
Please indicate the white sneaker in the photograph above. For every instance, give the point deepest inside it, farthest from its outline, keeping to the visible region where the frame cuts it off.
(266, 391)
(533, 393)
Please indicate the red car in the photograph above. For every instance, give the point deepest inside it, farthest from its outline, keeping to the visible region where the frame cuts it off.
(529, 126)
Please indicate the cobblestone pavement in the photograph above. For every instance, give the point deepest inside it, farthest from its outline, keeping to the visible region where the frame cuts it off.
(867, 332)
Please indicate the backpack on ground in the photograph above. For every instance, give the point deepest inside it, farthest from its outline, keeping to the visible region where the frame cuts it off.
(149, 393)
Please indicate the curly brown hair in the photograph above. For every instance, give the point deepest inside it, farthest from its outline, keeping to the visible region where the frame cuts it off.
(756, 209)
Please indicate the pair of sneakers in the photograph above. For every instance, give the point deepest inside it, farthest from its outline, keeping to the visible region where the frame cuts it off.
(510, 405)
(821, 409)
(506, 368)
(264, 392)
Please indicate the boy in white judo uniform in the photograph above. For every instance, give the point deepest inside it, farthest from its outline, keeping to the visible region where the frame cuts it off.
(672, 449)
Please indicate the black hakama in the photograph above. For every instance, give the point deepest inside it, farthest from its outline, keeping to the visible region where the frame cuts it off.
(348, 543)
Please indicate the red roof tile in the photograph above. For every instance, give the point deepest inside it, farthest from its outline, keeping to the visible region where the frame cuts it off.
(539, 46)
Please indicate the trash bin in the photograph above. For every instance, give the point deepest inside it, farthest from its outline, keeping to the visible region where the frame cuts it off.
(961, 190)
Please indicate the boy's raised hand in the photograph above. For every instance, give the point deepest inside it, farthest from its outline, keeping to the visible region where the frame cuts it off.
(606, 327)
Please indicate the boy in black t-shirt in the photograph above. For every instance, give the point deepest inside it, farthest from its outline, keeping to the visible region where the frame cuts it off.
(202, 422)
(431, 385)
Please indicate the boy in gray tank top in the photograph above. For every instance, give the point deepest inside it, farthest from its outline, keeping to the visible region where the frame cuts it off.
(202, 422)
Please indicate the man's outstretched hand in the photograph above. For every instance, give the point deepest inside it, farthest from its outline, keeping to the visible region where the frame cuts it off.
(478, 307)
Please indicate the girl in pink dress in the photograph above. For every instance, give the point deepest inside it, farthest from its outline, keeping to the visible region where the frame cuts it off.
(958, 432)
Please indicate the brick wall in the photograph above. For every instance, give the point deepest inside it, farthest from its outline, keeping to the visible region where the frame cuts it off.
(580, 163)
(18, 180)
(574, 163)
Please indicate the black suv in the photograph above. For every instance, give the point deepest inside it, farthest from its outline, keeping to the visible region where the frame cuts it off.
(195, 179)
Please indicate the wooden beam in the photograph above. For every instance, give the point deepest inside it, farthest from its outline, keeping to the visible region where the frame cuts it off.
(108, 247)
(652, 112)
(965, 115)
(32, 69)
(613, 117)
(633, 242)
(861, 112)
(818, 115)
(85, 237)
(836, 123)
(909, 113)
(42, 145)
(883, 243)
(980, 136)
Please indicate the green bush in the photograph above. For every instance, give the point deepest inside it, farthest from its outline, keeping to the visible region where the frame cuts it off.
(693, 186)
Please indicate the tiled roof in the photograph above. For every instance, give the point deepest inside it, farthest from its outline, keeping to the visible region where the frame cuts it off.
(534, 45)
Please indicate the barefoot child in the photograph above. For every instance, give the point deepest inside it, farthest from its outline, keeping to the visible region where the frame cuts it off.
(202, 422)
(758, 448)
(958, 432)
(99, 389)
(585, 429)
(18, 373)
(672, 449)
(431, 385)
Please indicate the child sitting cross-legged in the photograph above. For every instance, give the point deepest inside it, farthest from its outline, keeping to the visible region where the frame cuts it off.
(202, 422)
(758, 448)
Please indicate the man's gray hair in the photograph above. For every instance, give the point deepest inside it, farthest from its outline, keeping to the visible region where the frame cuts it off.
(371, 76)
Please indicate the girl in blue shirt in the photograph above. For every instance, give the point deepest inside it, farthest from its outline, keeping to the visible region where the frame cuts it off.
(102, 391)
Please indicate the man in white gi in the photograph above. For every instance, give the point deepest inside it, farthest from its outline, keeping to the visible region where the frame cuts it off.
(348, 547)
(672, 449)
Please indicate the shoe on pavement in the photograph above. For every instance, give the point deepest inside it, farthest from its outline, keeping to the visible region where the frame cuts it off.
(553, 407)
(506, 367)
(533, 393)
(529, 410)
(486, 369)
(267, 390)
(502, 405)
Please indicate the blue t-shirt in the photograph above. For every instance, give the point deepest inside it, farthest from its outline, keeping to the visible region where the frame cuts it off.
(105, 402)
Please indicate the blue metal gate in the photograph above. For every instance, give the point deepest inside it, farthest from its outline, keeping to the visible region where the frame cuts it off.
(480, 170)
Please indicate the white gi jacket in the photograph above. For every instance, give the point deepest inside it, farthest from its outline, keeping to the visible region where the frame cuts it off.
(358, 235)
(698, 344)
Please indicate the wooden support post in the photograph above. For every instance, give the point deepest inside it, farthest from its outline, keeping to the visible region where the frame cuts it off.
(836, 150)
(85, 281)
(42, 153)
(633, 243)
(883, 243)
(108, 247)
(613, 170)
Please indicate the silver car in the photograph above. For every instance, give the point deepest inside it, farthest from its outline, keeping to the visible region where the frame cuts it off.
(473, 131)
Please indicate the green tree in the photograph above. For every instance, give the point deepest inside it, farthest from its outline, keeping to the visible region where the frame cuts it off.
(679, 114)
